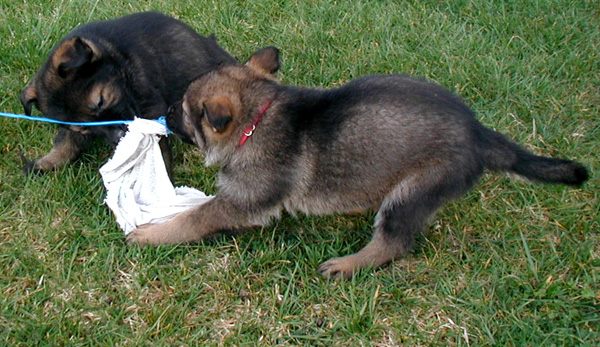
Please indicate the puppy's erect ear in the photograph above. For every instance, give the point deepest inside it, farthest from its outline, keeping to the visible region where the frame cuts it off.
(72, 54)
(265, 60)
(29, 98)
(219, 113)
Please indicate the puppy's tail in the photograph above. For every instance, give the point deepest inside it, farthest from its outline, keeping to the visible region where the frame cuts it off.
(501, 154)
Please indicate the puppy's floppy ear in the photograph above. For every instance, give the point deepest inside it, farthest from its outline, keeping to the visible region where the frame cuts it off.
(219, 113)
(265, 60)
(29, 97)
(72, 54)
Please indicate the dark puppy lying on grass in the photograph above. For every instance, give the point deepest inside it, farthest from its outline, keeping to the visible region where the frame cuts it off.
(136, 65)
(395, 143)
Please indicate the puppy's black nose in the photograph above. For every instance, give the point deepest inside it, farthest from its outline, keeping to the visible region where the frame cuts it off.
(170, 111)
(174, 109)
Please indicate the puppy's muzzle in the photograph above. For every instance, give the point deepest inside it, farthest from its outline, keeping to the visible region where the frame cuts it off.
(172, 123)
(175, 122)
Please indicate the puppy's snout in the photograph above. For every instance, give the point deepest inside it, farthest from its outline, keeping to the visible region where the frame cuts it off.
(173, 114)
(171, 111)
(174, 110)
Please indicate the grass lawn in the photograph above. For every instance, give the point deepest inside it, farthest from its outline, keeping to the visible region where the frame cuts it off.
(509, 264)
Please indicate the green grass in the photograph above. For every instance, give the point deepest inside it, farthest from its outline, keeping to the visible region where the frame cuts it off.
(509, 264)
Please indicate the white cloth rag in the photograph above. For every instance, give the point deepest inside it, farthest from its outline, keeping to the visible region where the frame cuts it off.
(138, 189)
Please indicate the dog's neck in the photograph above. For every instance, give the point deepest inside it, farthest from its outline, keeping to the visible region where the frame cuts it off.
(249, 130)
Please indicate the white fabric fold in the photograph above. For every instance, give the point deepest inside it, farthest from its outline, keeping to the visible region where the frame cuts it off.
(138, 189)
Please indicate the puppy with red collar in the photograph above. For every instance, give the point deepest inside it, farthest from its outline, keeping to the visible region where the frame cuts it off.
(394, 143)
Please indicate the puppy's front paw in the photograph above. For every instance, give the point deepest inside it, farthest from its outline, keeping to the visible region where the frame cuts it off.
(36, 166)
(335, 268)
(147, 234)
(31, 167)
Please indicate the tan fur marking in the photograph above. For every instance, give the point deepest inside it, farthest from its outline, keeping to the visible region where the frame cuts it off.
(59, 155)
(105, 92)
(66, 49)
(30, 92)
(96, 54)
(186, 107)
(63, 52)
(78, 129)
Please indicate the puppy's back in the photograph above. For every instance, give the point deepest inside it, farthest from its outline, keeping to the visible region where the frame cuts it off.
(382, 115)
(360, 139)
(164, 53)
(130, 29)
(155, 34)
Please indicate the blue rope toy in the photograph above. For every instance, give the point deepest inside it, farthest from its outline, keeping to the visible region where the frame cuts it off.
(162, 120)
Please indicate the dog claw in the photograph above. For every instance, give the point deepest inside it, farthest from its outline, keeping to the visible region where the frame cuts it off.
(139, 236)
(30, 167)
(336, 268)
(133, 239)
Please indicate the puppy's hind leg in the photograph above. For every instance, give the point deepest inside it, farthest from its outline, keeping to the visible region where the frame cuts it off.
(403, 215)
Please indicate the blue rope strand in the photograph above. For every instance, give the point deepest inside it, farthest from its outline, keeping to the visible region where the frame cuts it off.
(162, 120)
(50, 120)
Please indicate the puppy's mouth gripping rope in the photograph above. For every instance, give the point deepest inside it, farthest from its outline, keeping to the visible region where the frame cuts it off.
(162, 120)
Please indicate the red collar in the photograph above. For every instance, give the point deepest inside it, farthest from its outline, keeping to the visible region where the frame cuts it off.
(250, 128)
